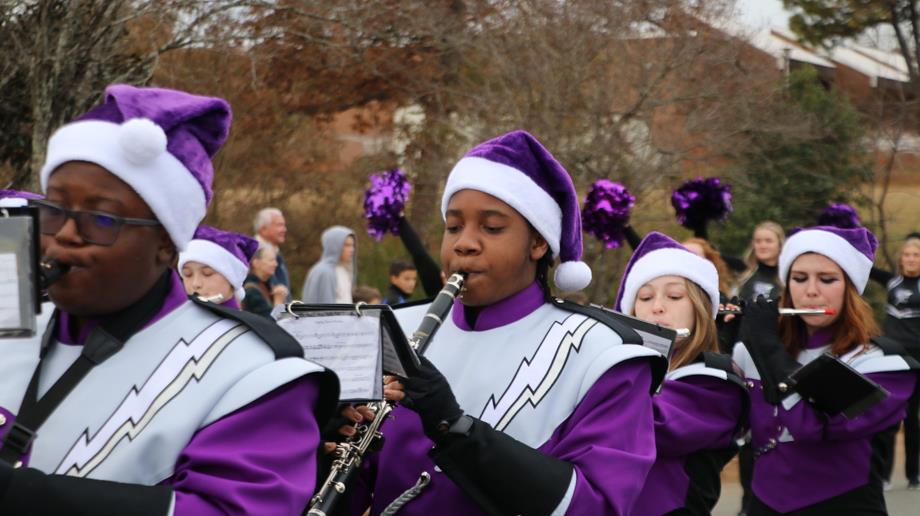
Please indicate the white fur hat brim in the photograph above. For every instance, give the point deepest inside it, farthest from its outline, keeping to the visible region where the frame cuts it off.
(217, 258)
(135, 152)
(670, 261)
(855, 264)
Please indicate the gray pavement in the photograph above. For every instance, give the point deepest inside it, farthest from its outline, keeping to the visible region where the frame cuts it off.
(901, 502)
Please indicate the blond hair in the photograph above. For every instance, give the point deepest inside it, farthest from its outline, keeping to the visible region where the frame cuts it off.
(750, 258)
(911, 241)
(703, 336)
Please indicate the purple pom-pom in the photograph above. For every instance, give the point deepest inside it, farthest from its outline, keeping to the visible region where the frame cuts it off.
(606, 212)
(699, 200)
(841, 215)
(384, 201)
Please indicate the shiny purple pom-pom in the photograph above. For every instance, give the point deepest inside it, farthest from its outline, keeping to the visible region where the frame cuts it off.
(700, 200)
(384, 201)
(606, 212)
(841, 215)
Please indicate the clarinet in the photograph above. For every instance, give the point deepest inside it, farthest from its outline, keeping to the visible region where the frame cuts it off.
(350, 453)
(49, 272)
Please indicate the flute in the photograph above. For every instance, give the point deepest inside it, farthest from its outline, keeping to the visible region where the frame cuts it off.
(789, 311)
(216, 298)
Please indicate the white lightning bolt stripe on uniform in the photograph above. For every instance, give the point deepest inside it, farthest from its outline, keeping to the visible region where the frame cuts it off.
(536, 376)
(183, 363)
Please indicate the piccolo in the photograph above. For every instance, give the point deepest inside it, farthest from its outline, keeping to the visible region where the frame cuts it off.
(789, 311)
(216, 298)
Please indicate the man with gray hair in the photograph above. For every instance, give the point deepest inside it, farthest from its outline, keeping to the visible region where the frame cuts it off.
(270, 230)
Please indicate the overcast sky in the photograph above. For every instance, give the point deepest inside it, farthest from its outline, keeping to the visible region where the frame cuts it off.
(763, 13)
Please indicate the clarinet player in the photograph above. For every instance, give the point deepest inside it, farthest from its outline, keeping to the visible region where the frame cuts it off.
(515, 384)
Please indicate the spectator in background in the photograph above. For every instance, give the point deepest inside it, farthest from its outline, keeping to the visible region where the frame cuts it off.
(330, 280)
(902, 323)
(403, 278)
(261, 296)
(366, 294)
(762, 276)
(270, 231)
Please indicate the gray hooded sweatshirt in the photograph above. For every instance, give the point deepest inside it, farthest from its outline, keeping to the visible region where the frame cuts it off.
(320, 285)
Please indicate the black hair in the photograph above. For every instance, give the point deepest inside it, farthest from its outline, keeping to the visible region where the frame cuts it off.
(543, 266)
(400, 266)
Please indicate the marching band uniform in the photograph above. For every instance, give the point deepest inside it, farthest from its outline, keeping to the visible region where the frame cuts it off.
(702, 405)
(226, 252)
(554, 398)
(807, 461)
(184, 407)
(764, 281)
(902, 323)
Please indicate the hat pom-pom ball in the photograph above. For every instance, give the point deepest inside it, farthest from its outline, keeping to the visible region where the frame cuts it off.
(572, 276)
(141, 140)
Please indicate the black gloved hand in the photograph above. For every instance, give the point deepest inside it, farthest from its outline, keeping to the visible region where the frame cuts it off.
(760, 334)
(729, 331)
(429, 395)
(330, 431)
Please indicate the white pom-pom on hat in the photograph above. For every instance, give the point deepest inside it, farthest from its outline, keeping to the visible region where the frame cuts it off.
(572, 276)
(141, 141)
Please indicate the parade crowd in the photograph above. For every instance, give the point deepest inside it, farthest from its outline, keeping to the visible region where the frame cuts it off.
(159, 383)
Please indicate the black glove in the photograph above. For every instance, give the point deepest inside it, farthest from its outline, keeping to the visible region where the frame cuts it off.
(729, 331)
(6, 476)
(481, 461)
(760, 335)
(330, 431)
(429, 395)
(30, 491)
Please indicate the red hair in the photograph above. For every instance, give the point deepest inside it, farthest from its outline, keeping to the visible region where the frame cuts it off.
(854, 326)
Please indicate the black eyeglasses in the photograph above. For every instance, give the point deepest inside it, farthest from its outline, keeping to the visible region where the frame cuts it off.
(94, 227)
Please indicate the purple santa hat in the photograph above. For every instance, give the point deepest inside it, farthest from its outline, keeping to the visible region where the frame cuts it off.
(16, 198)
(853, 249)
(158, 141)
(659, 255)
(518, 170)
(226, 252)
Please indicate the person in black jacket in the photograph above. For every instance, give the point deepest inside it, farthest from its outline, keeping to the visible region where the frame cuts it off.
(762, 277)
(902, 323)
(403, 277)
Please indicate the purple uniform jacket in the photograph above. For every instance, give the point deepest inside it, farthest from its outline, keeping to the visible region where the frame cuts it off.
(803, 457)
(692, 414)
(259, 459)
(608, 438)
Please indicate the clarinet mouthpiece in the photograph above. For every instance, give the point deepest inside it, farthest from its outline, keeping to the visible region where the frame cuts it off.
(49, 272)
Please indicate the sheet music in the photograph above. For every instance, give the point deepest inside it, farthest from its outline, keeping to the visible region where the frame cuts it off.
(10, 310)
(345, 343)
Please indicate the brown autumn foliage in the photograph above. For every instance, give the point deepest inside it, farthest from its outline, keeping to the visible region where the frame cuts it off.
(326, 92)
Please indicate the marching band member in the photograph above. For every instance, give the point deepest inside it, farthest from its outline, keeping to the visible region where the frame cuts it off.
(136, 399)
(902, 323)
(702, 404)
(808, 461)
(762, 278)
(525, 405)
(215, 264)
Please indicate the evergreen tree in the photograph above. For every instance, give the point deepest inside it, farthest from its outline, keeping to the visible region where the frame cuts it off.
(790, 170)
